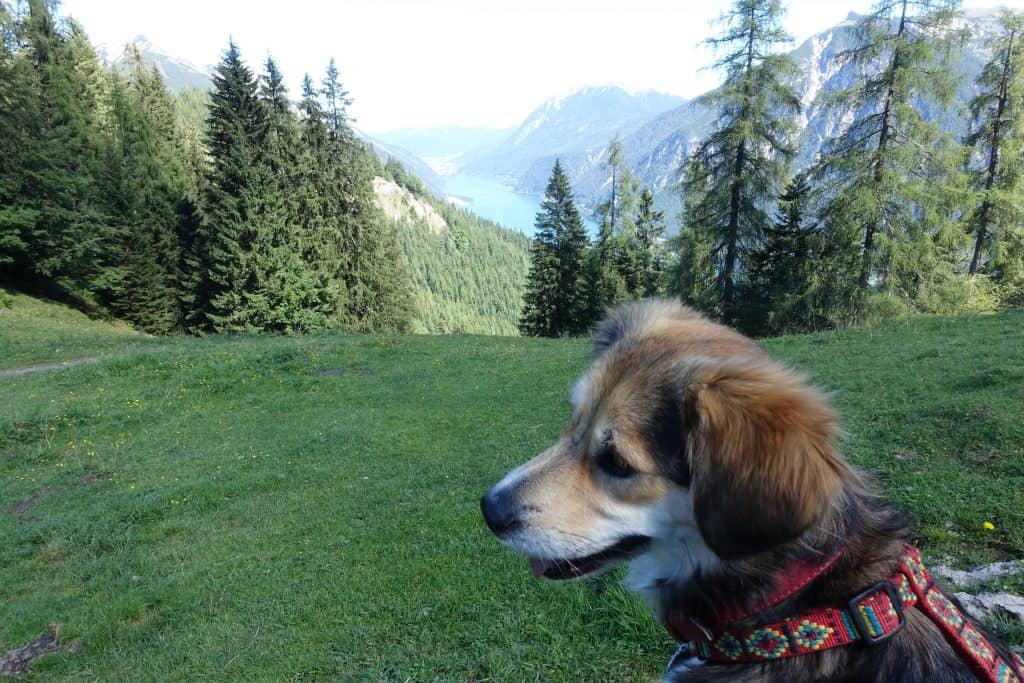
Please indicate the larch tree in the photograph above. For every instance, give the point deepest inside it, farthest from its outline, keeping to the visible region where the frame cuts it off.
(733, 176)
(996, 138)
(887, 184)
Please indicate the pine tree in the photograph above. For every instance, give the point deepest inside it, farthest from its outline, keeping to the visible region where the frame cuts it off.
(151, 191)
(612, 264)
(735, 173)
(652, 257)
(377, 284)
(555, 302)
(321, 241)
(286, 292)
(887, 175)
(236, 126)
(52, 221)
(782, 265)
(997, 137)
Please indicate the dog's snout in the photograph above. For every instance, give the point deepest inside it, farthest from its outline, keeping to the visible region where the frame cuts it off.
(501, 512)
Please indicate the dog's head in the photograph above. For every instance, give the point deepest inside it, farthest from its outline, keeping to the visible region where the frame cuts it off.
(688, 447)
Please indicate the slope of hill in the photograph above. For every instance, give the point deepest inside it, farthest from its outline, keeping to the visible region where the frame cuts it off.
(584, 119)
(40, 331)
(468, 274)
(306, 507)
(432, 181)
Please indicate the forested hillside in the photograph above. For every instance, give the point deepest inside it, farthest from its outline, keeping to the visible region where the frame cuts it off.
(468, 273)
(224, 211)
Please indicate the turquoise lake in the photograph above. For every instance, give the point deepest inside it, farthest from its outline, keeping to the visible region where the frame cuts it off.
(494, 199)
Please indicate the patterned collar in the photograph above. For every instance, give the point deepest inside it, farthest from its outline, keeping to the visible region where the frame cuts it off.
(869, 617)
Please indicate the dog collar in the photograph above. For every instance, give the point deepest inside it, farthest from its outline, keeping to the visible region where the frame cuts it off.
(870, 617)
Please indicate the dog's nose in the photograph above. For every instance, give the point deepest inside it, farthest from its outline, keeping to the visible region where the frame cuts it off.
(500, 512)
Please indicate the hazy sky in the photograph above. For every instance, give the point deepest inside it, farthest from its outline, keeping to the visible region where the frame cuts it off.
(466, 62)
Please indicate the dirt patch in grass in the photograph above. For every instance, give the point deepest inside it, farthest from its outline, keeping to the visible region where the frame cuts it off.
(43, 367)
(18, 661)
(18, 508)
(334, 372)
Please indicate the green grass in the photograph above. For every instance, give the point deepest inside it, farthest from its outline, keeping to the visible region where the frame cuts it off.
(264, 521)
(33, 331)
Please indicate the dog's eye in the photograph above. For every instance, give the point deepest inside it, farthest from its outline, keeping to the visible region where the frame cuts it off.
(612, 463)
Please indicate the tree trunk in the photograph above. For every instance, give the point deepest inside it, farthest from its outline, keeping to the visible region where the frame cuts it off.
(732, 233)
(733, 229)
(993, 160)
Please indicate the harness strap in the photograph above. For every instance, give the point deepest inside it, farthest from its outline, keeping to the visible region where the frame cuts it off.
(870, 617)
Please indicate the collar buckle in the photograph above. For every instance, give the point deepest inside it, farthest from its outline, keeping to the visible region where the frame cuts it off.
(868, 631)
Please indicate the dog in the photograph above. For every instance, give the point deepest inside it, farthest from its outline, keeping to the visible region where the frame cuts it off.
(712, 470)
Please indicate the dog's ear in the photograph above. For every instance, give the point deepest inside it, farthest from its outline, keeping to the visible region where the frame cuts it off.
(761, 455)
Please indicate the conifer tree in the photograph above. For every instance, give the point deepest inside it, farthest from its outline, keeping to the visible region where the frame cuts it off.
(997, 137)
(555, 302)
(782, 265)
(236, 127)
(734, 174)
(612, 263)
(321, 240)
(652, 257)
(886, 183)
(151, 192)
(286, 292)
(376, 282)
(52, 219)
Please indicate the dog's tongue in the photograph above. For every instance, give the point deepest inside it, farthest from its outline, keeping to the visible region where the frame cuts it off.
(539, 566)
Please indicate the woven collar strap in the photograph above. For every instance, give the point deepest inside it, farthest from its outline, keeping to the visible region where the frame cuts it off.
(869, 617)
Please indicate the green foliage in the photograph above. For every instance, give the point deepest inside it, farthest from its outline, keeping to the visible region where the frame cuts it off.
(468, 274)
(468, 278)
(888, 181)
(782, 268)
(151, 188)
(394, 170)
(628, 259)
(556, 303)
(997, 140)
(52, 218)
(735, 173)
(206, 212)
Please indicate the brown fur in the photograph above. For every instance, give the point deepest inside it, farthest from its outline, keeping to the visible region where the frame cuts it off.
(694, 407)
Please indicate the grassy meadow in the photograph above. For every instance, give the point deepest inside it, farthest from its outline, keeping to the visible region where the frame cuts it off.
(222, 508)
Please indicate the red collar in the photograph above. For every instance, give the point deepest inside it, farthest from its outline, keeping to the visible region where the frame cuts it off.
(791, 580)
(871, 616)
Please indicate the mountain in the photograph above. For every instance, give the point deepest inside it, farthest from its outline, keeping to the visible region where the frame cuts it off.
(584, 119)
(657, 148)
(444, 148)
(178, 73)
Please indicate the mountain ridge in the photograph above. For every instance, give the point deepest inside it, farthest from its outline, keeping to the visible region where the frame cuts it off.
(656, 150)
